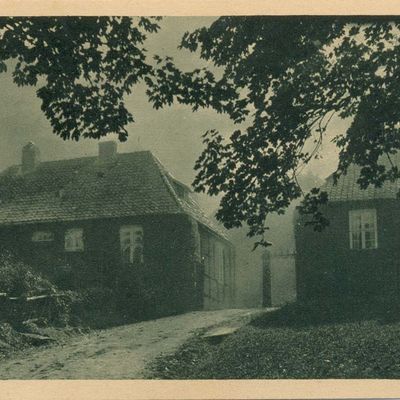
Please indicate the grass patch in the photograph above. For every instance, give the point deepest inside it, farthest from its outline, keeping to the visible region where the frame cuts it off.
(297, 341)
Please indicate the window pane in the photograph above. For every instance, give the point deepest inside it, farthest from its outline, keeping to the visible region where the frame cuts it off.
(356, 240)
(370, 239)
(126, 254)
(356, 222)
(363, 229)
(74, 240)
(131, 239)
(42, 236)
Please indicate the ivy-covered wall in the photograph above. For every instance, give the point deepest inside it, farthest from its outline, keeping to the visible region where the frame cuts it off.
(166, 253)
(171, 268)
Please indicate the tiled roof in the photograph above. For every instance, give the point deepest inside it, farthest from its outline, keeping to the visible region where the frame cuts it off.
(134, 184)
(190, 206)
(347, 188)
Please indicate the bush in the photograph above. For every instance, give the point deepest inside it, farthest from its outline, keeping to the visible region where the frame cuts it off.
(8, 336)
(18, 278)
(94, 307)
(137, 293)
(135, 296)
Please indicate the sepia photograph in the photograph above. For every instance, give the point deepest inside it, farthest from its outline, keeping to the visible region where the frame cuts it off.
(199, 197)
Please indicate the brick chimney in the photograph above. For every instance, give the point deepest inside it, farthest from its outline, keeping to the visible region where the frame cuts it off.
(30, 157)
(107, 151)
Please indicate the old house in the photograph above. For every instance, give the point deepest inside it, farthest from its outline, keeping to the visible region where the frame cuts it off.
(358, 254)
(87, 219)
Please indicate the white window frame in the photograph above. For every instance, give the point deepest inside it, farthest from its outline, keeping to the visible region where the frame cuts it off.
(364, 215)
(74, 240)
(135, 234)
(42, 236)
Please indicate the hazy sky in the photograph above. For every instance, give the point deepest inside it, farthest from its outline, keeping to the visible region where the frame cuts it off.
(172, 134)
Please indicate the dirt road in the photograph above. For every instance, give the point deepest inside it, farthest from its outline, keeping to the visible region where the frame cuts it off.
(115, 353)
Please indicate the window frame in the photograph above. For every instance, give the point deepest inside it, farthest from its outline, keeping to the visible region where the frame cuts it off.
(365, 215)
(77, 239)
(131, 230)
(42, 236)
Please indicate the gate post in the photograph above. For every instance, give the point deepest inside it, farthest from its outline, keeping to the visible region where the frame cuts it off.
(266, 292)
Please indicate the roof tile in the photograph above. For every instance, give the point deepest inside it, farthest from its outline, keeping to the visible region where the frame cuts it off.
(134, 184)
(347, 188)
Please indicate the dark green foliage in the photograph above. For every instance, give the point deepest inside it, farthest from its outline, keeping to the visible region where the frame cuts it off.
(311, 206)
(296, 342)
(17, 278)
(135, 296)
(290, 76)
(94, 307)
(283, 79)
(139, 294)
(20, 280)
(10, 339)
(83, 67)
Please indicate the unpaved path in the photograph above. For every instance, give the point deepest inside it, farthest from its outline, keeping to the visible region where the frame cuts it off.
(115, 353)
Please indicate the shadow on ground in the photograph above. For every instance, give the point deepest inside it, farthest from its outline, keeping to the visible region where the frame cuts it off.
(329, 312)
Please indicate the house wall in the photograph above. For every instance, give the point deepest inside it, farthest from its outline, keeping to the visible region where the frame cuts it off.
(169, 251)
(327, 267)
(218, 265)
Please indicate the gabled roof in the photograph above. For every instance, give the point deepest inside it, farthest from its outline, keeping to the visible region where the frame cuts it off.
(134, 184)
(347, 188)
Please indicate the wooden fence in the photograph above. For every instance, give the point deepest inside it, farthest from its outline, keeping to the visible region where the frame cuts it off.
(21, 308)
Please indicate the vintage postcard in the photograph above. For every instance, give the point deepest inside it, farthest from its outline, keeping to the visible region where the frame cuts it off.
(199, 200)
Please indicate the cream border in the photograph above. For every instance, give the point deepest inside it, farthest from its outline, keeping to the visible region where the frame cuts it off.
(201, 390)
(228, 389)
(198, 7)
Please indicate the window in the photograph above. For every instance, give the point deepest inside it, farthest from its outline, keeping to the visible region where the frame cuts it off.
(131, 239)
(42, 236)
(74, 239)
(363, 229)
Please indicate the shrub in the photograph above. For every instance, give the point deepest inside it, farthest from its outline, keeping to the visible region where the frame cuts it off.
(139, 293)
(94, 307)
(18, 278)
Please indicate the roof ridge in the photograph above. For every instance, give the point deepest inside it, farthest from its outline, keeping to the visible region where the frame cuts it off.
(78, 158)
(183, 205)
(137, 183)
